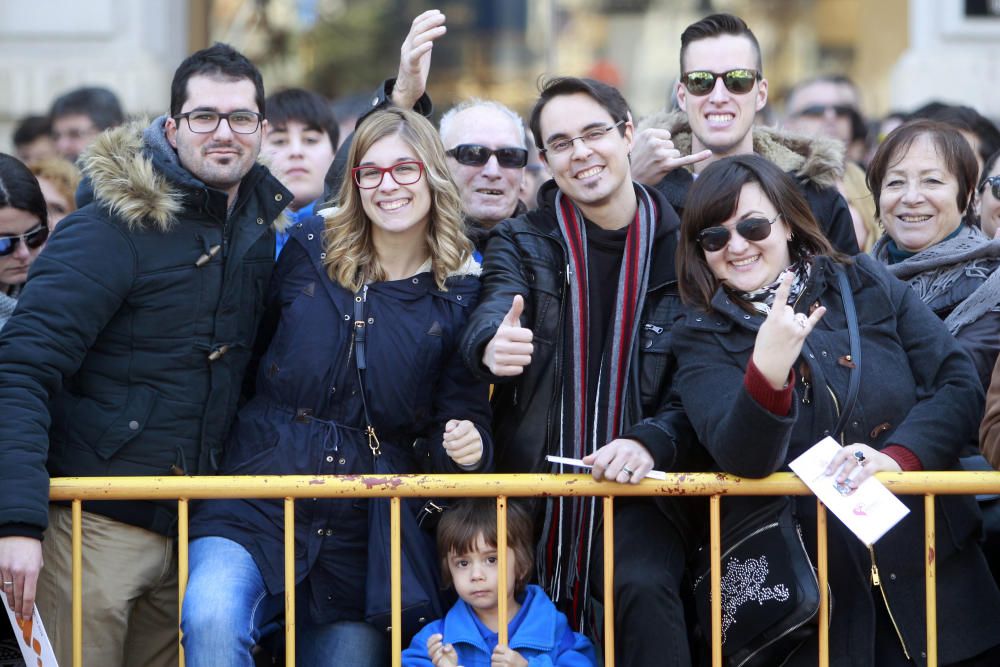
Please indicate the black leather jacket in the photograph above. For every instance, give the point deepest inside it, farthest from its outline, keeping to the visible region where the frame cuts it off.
(527, 256)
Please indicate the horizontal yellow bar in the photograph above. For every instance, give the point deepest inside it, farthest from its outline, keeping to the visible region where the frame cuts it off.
(521, 485)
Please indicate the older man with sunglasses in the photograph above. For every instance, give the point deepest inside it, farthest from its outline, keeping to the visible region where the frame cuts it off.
(720, 91)
(487, 154)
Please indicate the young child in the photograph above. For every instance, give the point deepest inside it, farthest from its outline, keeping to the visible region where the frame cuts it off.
(538, 633)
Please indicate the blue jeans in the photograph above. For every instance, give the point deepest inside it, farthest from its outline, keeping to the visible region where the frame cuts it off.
(226, 604)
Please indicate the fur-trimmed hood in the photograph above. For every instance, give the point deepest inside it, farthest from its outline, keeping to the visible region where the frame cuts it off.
(814, 159)
(135, 173)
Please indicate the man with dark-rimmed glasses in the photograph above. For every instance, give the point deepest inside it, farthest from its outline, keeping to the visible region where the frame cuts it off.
(127, 353)
(719, 93)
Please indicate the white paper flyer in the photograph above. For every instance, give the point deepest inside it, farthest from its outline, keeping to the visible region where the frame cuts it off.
(31, 637)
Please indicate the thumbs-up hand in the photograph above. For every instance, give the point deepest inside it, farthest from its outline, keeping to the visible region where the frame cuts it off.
(509, 351)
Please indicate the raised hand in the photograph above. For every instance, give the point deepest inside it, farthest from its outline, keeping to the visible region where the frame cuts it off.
(654, 156)
(463, 442)
(782, 335)
(509, 351)
(415, 58)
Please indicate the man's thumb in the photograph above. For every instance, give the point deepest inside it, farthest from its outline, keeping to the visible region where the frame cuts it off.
(513, 316)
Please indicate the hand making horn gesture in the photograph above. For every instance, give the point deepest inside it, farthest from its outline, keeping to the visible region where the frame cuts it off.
(654, 156)
(780, 338)
(509, 351)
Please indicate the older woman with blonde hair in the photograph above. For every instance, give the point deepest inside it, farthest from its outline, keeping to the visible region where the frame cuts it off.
(365, 312)
(58, 180)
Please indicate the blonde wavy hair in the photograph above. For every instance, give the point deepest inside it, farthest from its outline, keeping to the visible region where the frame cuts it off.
(351, 258)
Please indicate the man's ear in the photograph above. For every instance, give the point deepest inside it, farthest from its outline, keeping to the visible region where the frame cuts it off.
(681, 94)
(761, 94)
(629, 133)
(170, 130)
(265, 127)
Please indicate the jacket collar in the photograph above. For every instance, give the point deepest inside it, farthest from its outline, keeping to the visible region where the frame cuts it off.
(816, 160)
(536, 629)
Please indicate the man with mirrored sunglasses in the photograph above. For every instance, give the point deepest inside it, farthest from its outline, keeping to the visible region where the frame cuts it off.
(485, 145)
(719, 93)
(127, 352)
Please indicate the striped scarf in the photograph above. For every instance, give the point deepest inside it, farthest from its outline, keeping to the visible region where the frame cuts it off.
(564, 555)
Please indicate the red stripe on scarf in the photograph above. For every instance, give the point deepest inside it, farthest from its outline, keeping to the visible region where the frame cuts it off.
(575, 242)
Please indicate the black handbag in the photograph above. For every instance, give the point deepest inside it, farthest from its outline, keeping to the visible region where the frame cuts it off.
(770, 591)
(419, 566)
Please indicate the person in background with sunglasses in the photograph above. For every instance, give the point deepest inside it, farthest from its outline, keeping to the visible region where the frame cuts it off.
(487, 156)
(764, 368)
(24, 227)
(720, 91)
(573, 327)
(987, 201)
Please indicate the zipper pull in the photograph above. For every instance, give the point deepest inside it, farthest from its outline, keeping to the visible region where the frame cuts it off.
(806, 389)
(652, 327)
(876, 580)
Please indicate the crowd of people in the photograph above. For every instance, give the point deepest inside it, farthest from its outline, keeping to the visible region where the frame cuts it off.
(690, 291)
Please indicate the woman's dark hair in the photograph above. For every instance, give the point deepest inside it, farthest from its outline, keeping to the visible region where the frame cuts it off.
(952, 148)
(464, 521)
(714, 198)
(988, 166)
(19, 189)
(963, 118)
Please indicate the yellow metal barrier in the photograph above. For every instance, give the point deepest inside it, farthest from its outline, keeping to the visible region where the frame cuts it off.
(502, 487)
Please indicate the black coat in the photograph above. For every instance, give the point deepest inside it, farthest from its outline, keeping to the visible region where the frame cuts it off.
(307, 416)
(527, 255)
(127, 350)
(918, 389)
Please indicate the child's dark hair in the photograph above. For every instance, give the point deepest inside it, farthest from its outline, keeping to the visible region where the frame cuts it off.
(464, 521)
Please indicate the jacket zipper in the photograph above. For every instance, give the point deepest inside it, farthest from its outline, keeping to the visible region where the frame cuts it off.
(877, 583)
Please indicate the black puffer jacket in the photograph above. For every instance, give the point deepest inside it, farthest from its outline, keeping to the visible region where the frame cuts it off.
(127, 351)
(527, 256)
(815, 163)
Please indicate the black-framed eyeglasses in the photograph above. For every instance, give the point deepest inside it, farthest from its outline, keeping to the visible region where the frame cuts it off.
(994, 183)
(474, 155)
(713, 239)
(737, 81)
(33, 238)
(203, 122)
(591, 136)
(369, 177)
(819, 110)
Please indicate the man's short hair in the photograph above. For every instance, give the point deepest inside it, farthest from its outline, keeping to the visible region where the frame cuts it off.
(475, 102)
(100, 105)
(31, 128)
(715, 26)
(607, 96)
(304, 106)
(219, 60)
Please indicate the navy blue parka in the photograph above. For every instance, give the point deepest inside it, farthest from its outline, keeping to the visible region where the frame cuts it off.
(306, 416)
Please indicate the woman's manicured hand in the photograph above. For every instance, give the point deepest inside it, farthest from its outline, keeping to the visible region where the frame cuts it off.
(779, 341)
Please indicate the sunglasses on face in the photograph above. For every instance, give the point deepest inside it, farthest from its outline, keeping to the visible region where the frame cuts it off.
(994, 184)
(737, 81)
(474, 155)
(33, 238)
(713, 239)
(819, 110)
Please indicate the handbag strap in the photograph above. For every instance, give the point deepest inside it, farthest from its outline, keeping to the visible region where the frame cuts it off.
(361, 363)
(852, 329)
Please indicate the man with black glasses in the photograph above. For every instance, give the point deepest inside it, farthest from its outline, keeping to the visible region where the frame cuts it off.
(486, 150)
(573, 327)
(127, 352)
(721, 89)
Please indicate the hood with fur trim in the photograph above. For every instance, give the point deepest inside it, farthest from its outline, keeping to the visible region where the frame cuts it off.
(815, 159)
(135, 173)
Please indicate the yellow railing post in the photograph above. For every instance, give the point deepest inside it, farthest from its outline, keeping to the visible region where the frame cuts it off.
(609, 581)
(182, 568)
(395, 565)
(290, 582)
(715, 558)
(823, 572)
(502, 638)
(77, 548)
(930, 561)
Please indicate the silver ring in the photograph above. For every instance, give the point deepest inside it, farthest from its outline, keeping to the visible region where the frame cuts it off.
(8, 583)
(860, 457)
(801, 320)
(628, 471)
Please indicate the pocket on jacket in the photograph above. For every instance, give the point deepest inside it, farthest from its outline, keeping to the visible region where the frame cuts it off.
(130, 421)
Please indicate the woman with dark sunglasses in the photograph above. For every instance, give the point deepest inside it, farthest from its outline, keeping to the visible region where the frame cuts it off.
(987, 200)
(23, 229)
(765, 364)
(362, 328)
